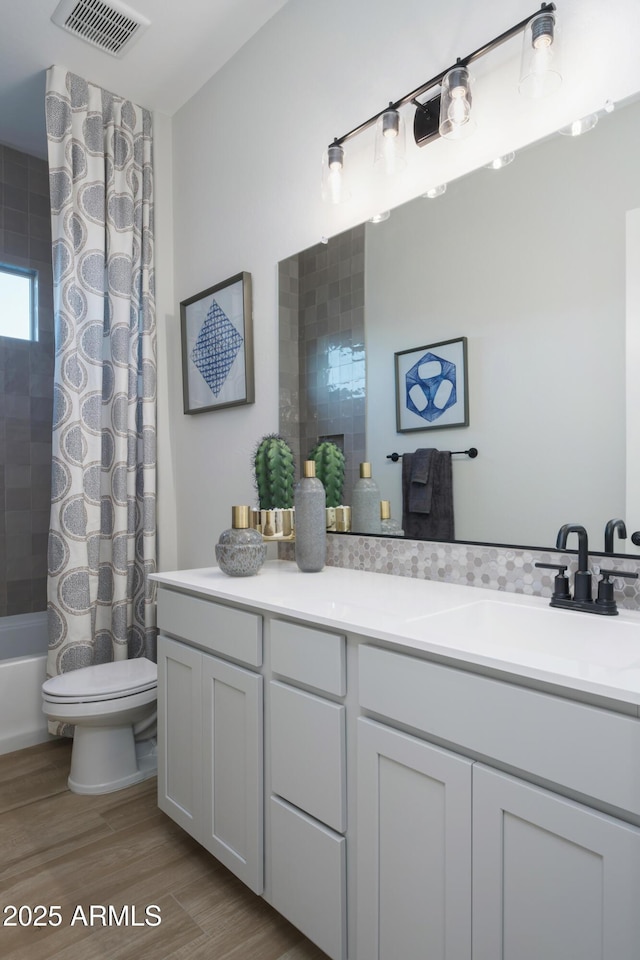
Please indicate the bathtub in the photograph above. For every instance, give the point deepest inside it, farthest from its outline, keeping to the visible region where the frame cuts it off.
(23, 663)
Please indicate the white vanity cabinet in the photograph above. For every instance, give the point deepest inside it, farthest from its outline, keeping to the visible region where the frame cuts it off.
(210, 729)
(307, 805)
(551, 877)
(425, 795)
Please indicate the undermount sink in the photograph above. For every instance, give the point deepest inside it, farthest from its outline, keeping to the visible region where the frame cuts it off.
(533, 633)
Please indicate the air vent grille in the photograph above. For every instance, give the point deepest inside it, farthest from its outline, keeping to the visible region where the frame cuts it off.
(110, 26)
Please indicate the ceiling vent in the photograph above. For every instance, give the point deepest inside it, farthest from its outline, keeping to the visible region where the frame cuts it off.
(113, 27)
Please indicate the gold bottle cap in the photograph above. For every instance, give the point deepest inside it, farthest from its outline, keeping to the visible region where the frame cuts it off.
(385, 509)
(240, 517)
(365, 470)
(309, 468)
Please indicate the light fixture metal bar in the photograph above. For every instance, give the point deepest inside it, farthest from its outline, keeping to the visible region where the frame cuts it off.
(435, 81)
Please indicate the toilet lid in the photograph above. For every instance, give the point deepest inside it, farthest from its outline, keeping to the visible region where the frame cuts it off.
(104, 681)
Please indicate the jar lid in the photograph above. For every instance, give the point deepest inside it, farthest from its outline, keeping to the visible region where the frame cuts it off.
(365, 470)
(240, 517)
(309, 468)
(385, 509)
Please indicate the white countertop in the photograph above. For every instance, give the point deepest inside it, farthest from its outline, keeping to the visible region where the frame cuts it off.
(521, 635)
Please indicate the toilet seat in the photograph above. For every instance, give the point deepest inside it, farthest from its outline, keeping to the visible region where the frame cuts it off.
(104, 681)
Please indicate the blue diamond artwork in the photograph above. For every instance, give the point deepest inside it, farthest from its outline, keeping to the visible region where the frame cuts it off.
(431, 391)
(216, 348)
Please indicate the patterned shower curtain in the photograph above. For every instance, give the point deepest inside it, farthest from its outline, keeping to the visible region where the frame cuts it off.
(102, 538)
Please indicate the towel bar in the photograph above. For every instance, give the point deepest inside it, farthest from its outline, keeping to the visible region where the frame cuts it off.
(472, 452)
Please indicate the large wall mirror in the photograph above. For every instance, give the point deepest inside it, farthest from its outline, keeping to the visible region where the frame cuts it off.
(538, 266)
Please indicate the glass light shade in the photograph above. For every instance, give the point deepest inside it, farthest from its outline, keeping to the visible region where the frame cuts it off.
(334, 187)
(501, 162)
(580, 126)
(540, 73)
(435, 191)
(390, 143)
(456, 121)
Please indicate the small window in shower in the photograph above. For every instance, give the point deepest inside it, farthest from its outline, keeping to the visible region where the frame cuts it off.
(18, 303)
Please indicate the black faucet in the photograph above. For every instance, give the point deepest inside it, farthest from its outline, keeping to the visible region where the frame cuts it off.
(581, 599)
(609, 531)
(582, 576)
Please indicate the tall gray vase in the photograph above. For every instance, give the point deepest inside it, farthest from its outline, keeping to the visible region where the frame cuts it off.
(365, 503)
(310, 502)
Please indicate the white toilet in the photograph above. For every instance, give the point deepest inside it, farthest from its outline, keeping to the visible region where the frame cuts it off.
(113, 707)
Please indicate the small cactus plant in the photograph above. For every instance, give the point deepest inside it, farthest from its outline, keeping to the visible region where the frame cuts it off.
(274, 472)
(329, 460)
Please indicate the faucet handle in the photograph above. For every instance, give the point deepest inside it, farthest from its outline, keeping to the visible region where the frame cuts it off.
(561, 581)
(627, 574)
(605, 588)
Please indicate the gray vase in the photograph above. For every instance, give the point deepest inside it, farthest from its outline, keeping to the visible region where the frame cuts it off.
(240, 551)
(365, 503)
(310, 502)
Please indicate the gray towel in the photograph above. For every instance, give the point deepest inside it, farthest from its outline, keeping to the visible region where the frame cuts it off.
(427, 495)
(421, 480)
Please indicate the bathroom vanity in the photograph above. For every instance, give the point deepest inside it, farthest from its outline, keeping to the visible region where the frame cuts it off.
(407, 768)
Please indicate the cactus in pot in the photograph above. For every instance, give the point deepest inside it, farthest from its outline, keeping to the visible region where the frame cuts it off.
(274, 472)
(329, 460)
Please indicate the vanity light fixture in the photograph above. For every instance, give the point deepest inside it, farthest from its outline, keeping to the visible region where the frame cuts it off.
(455, 104)
(501, 162)
(448, 111)
(539, 69)
(334, 189)
(578, 127)
(390, 142)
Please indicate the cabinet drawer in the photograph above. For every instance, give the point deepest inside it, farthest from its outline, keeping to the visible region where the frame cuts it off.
(586, 749)
(308, 877)
(212, 626)
(308, 753)
(309, 656)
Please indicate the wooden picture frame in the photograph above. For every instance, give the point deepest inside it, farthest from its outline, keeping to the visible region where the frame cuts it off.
(432, 386)
(217, 346)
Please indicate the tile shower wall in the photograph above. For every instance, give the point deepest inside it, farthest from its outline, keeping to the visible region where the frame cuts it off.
(289, 346)
(26, 391)
(322, 353)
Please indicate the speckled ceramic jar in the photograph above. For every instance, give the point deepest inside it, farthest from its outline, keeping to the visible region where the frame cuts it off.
(311, 525)
(240, 551)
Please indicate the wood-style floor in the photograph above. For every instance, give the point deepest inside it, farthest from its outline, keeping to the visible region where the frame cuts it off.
(58, 849)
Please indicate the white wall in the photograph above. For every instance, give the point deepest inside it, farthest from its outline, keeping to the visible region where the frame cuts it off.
(529, 264)
(246, 162)
(168, 342)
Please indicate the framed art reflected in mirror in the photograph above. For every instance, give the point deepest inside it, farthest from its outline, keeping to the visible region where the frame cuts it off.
(431, 386)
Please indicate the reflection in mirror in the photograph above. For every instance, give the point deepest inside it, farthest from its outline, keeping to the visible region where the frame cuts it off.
(529, 263)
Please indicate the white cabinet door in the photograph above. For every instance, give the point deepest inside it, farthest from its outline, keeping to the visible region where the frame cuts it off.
(551, 878)
(232, 826)
(308, 877)
(414, 849)
(180, 734)
(308, 765)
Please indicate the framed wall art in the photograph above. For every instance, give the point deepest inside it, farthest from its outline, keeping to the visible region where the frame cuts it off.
(431, 386)
(217, 346)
